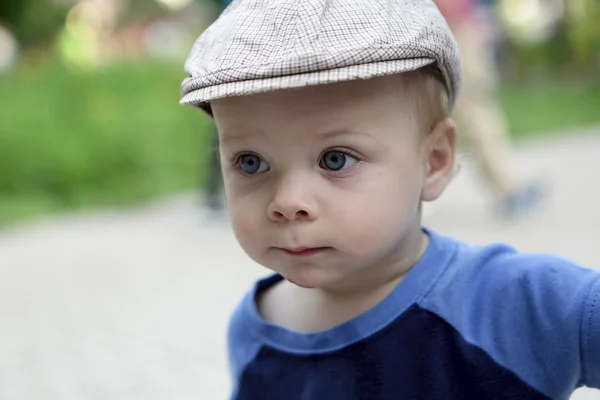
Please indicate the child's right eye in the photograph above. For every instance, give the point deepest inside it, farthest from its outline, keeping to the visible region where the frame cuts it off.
(252, 164)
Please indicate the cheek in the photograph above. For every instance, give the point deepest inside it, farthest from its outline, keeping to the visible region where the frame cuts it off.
(246, 220)
(374, 223)
(380, 213)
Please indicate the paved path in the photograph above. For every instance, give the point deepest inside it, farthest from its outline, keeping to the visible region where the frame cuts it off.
(133, 304)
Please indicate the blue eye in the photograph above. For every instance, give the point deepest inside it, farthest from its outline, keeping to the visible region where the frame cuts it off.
(252, 164)
(336, 160)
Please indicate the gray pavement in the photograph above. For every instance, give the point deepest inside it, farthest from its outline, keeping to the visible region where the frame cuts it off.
(132, 304)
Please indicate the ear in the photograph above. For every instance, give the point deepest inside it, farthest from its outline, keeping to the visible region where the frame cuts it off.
(439, 152)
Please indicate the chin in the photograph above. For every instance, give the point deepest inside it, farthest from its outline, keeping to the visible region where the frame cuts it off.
(302, 285)
(309, 279)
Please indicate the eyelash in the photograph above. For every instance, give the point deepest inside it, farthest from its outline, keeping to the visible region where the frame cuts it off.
(344, 151)
(235, 160)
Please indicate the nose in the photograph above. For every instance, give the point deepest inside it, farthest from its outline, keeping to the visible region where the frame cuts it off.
(292, 202)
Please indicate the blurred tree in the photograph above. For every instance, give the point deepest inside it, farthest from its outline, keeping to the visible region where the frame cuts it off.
(584, 31)
(11, 10)
(572, 45)
(33, 22)
(145, 10)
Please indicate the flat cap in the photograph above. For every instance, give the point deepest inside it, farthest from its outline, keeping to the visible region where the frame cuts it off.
(265, 45)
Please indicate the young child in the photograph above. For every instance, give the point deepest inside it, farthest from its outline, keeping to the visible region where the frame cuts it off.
(333, 119)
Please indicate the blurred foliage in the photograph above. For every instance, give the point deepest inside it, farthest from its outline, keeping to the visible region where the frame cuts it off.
(34, 22)
(583, 32)
(550, 105)
(573, 49)
(112, 137)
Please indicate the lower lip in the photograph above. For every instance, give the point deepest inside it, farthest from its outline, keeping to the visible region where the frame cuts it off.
(305, 253)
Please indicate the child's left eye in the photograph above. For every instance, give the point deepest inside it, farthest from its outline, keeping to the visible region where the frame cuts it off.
(337, 160)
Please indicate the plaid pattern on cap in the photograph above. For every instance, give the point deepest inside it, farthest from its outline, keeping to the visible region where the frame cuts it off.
(265, 45)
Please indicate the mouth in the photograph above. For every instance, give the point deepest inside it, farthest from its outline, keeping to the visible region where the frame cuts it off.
(304, 251)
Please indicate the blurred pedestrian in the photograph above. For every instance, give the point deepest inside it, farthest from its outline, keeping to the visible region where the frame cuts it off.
(478, 113)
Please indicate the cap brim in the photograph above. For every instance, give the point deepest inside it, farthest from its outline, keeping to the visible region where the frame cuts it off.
(201, 97)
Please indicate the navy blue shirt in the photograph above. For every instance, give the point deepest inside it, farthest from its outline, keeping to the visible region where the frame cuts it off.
(466, 322)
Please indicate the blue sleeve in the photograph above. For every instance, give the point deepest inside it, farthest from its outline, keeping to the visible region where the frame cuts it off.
(536, 315)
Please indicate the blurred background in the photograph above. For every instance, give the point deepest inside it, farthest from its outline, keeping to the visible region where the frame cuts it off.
(116, 281)
(88, 103)
(89, 91)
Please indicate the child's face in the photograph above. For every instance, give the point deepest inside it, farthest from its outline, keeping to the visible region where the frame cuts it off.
(337, 169)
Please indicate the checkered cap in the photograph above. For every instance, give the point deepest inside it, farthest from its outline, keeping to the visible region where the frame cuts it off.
(265, 45)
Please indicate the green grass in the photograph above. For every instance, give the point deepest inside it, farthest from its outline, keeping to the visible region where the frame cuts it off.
(550, 106)
(118, 136)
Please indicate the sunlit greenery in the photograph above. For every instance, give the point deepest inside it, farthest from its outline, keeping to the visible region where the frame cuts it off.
(112, 137)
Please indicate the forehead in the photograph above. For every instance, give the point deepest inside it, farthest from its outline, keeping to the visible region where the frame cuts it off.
(352, 100)
(347, 103)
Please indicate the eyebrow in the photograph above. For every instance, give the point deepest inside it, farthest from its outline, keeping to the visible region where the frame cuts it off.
(325, 134)
(240, 136)
(344, 131)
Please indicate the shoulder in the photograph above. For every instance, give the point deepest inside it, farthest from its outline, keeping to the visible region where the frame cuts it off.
(499, 278)
(525, 310)
(500, 269)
